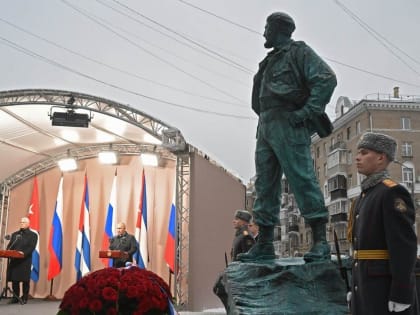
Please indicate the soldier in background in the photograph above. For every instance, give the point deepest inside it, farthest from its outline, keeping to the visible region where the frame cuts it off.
(242, 242)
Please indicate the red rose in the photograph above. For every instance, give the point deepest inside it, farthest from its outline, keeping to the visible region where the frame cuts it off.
(109, 294)
(95, 305)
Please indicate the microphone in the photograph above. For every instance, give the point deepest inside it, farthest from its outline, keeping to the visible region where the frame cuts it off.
(18, 237)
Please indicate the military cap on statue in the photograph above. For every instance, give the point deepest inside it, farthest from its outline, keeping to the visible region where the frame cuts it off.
(243, 215)
(285, 22)
(380, 143)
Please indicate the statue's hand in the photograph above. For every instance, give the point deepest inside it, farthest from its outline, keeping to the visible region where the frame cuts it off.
(297, 117)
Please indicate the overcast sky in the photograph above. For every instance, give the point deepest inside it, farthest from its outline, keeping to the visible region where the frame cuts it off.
(190, 63)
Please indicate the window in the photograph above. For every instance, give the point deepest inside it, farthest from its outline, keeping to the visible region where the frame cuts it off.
(349, 181)
(406, 149)
(348, 133)
(405, 123)
(318, 172)
(325, 170)
(325, 149)
(317, 152)
(358, 128)
(407, 174)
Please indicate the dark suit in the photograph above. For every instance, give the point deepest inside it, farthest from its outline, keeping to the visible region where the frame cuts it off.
(383, 219)
(124, 242)
(19, 269)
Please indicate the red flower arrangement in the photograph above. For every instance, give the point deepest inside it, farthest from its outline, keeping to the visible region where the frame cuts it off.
(113, 291)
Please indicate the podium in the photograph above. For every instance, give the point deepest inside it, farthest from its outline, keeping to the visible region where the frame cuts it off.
(113, 254)
(10, 253)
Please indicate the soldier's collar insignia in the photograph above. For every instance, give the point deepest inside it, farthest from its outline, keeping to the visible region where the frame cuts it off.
(400, 205)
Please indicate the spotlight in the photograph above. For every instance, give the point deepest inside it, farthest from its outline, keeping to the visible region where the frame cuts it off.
(149, 159)
(107, 157)
(70, 119)
(67, 164)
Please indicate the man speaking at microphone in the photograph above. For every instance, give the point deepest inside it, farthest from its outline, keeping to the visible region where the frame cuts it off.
(19, 269)
(124, 242)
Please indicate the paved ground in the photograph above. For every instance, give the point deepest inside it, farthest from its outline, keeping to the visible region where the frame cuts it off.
(41, 307)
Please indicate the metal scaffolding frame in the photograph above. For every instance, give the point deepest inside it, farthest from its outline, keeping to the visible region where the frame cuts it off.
(173, 146)
(182, 241)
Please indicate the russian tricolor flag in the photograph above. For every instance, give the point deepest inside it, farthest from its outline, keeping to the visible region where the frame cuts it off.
(142, 254)
(170, 239)
(82, 258)
(110, 222)
(55, 243)
(33, 216)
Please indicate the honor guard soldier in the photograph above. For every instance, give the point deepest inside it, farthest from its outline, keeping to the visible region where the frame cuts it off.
(381, 230)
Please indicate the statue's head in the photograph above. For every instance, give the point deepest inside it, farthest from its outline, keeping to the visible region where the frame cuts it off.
(278, 23)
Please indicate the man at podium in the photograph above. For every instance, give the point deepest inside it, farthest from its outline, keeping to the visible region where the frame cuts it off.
(19, 269)
(125, 243)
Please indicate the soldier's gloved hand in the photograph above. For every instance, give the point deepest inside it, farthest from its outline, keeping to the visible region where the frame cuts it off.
(348, 298)
(397, 307)
(298, 117)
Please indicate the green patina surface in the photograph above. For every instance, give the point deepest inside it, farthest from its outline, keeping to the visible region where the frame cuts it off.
(285, 287)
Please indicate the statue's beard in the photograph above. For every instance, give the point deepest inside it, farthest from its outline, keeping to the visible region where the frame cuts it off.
(268, 44)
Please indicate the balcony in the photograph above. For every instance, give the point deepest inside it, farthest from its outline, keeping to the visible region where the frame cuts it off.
(293, 228)
(338, 145)
(339, 217)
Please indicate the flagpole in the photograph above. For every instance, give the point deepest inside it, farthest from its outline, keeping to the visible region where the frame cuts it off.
(170, 279)
(51, 296)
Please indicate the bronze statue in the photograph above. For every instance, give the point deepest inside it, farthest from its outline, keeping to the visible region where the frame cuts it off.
(291, 89)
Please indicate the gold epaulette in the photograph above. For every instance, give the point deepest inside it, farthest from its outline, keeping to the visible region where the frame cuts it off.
(389, 182)
(370, 254)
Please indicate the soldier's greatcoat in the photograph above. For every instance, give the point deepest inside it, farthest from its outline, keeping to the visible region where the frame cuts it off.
(383, 219)
(242, 242)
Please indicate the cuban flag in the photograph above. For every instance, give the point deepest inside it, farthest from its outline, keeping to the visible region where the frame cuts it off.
(110, 222)
(82, 258)
(55, 243)
(170, 239)
(33, 216)
(142, 254)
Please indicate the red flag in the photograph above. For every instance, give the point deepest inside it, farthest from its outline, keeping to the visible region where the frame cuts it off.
(33, 216)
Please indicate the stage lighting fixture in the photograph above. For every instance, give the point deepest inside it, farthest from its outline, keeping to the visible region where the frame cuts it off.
(149, 159)
(70, 119)
(108, 157)
(67, 164)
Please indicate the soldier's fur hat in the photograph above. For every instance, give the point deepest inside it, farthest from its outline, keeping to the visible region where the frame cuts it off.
(380, 143)
(243, 215)
(285, 22)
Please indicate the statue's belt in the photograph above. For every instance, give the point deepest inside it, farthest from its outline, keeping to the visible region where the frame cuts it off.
(367, 254)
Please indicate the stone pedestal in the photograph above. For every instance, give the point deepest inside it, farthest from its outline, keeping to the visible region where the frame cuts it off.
(284, 287)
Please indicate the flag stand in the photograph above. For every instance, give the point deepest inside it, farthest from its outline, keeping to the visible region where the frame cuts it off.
(51, 297)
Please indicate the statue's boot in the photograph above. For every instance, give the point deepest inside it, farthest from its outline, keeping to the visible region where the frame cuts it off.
(263, 249)
(320, 250)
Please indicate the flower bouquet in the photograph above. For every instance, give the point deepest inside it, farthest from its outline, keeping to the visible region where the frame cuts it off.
(113, 291)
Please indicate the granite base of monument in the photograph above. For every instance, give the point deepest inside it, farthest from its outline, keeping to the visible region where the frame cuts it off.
(284, 287)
